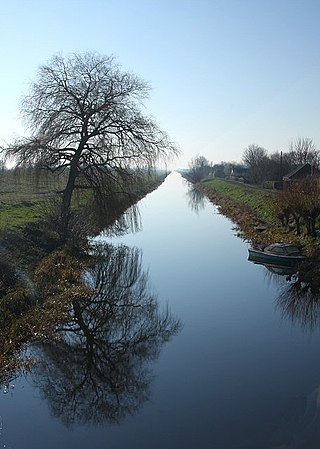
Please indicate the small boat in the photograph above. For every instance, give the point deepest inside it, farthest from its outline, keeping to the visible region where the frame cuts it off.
(276, 253)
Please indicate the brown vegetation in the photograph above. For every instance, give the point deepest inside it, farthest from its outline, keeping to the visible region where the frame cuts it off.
(301, 202)
(33, 312)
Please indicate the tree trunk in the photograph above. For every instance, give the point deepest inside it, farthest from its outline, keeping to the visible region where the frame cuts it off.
(313, 225)
(296, 218)
(308, 222)
(65, 211)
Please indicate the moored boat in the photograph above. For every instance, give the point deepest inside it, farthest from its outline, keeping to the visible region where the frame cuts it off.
(277, 253)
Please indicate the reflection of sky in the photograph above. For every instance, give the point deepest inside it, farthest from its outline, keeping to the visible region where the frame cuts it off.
(173, 234)
(228, 379)
(169, 218)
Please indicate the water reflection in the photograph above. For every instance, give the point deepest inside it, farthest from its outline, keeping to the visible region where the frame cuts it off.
(196, 199)
(276, 272)
(114, 221)
(98, 370)
(299, 298)
(300, 302)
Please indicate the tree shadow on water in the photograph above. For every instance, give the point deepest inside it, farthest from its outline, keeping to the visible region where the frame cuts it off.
(299, 298)
(299, 292)
(196, 199)
(98, 369)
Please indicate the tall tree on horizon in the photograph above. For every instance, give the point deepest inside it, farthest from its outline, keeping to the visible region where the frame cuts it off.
(255, 157)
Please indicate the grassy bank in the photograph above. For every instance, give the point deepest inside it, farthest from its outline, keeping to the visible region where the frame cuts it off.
(251, 208)
(258, 200)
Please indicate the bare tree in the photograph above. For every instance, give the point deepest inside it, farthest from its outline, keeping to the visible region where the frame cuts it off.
(199, 168)
(255, 157)
(85, 117)
(303, 150)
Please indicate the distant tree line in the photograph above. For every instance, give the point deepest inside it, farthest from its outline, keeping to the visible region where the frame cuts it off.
(199, 168)
(30, 178)
(298, 205)
(257, 166)
(264, 167)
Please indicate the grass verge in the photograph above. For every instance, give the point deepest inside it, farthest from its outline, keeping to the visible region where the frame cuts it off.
(259, 201)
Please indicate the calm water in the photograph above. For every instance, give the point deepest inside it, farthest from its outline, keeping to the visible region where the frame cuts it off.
(242, 372)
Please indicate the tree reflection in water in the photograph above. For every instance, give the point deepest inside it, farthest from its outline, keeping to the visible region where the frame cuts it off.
(300, 301)
(196, 199)
(98, 369)
(299, 298)
(118, 222)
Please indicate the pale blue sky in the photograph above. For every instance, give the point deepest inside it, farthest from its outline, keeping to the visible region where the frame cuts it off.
(225, 73)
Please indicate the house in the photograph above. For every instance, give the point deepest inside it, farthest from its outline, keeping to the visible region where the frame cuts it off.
(239, 173)
(305, 171)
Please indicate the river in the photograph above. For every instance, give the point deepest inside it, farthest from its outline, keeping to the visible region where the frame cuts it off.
(240, 371)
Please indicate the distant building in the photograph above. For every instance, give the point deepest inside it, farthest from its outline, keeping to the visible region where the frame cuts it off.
(305, 171)
(240, 173)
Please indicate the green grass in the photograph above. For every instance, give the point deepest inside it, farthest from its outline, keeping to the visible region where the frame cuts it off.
(18, 213)
(23, 195)
(260, 201)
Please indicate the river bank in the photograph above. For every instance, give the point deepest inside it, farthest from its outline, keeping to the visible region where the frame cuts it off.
(252, 210)
(40, 278)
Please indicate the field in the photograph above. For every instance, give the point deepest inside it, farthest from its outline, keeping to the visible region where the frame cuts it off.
(24, 195)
